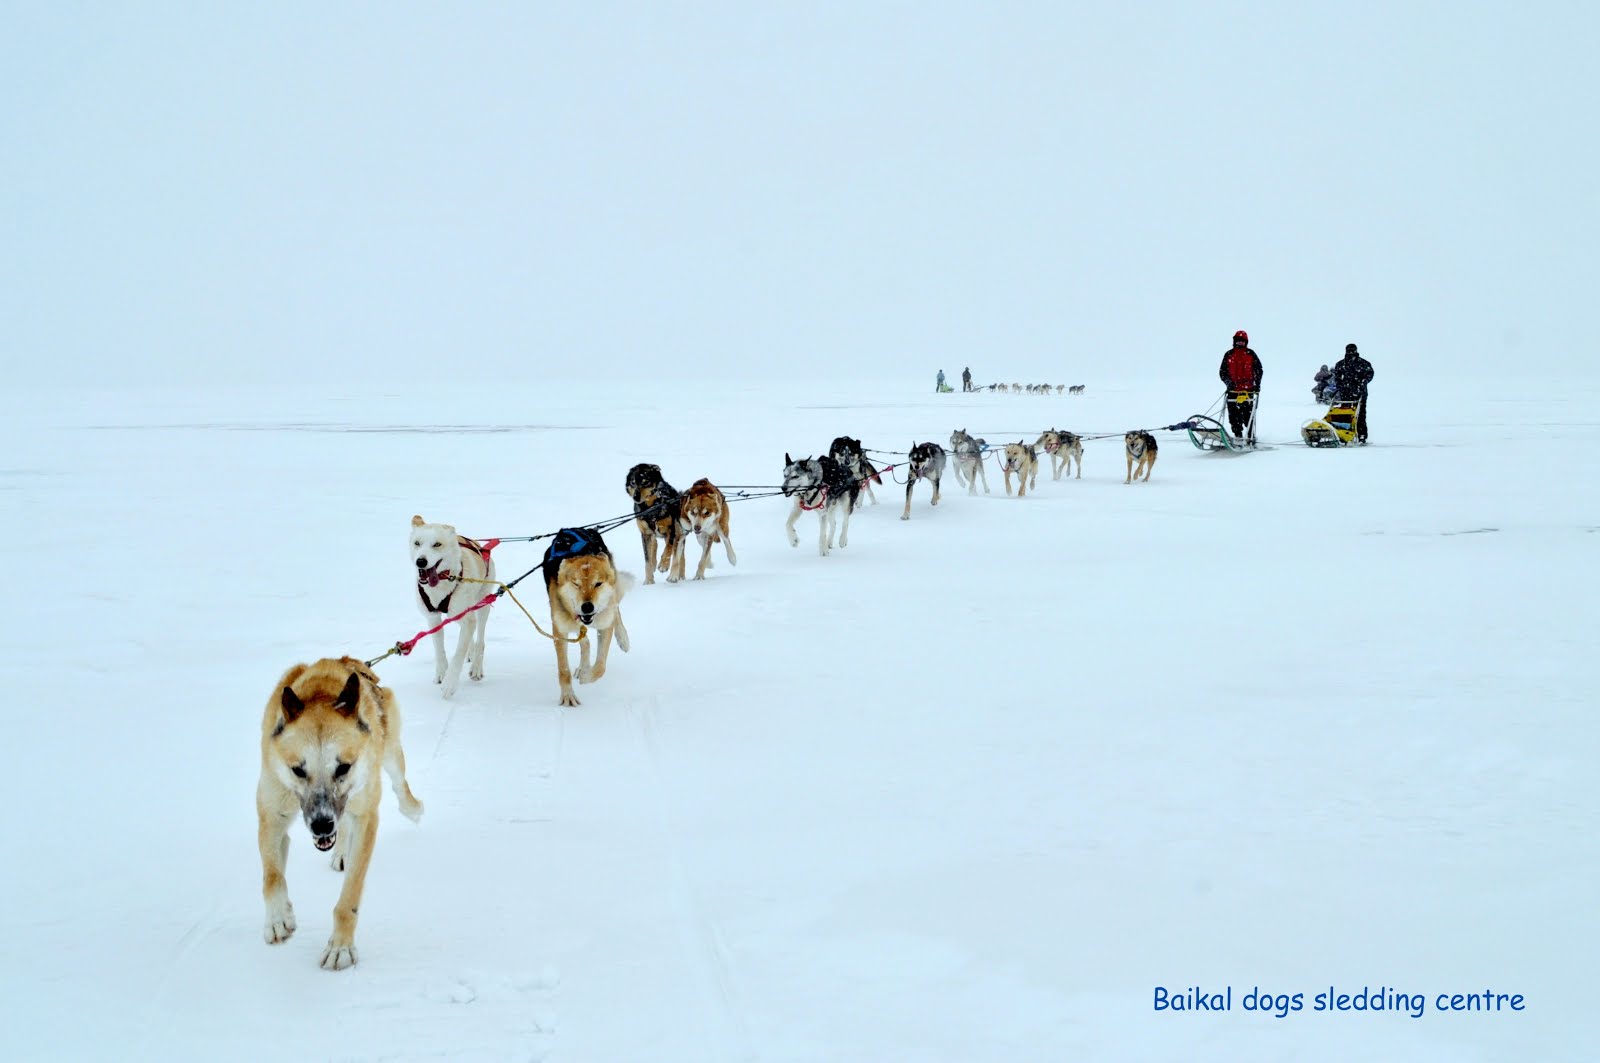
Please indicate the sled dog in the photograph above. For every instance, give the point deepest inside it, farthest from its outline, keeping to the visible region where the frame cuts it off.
(1141, 448)
(442, 558)
(1023, 460)
(328, 736)
(926, 462)
(823, 485)
(968, 455)
(704, 514)
(585, 592)
(1063, 448)
(1076, 389)
(655, 512)
(848, 452)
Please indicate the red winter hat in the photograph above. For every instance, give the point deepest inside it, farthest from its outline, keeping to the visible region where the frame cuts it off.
(1242, 335)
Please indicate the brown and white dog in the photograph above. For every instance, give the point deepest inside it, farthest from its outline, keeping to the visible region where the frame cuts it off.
(1141, 448)
(585, 592)
(1024, 461)
(328, 735)
(655, 513)
(704, 514)
(1062, 447)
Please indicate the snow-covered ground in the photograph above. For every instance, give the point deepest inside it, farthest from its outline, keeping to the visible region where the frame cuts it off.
(968, 789)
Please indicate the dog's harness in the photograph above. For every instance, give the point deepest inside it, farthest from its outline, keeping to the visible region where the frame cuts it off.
(481, 549)
(822, 498)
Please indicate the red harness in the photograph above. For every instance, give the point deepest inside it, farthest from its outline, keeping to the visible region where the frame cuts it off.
(481, 549)
(822, 499)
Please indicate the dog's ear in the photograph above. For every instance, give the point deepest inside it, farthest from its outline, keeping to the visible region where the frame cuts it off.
(349, 698)
(292, 705)
(417, 522)
(786, 459)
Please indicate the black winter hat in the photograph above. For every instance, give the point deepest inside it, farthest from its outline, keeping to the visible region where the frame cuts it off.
(1349, 348)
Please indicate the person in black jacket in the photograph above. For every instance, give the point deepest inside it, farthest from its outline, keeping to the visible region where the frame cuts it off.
(1351, 376)
(1241, 372)
(966, 379)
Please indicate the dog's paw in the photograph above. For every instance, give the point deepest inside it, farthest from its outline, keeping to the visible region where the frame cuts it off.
(280, 924)
(476, 674)
(585, 675)
(701, 575)
(905, 516)
(411, 809)
(674, 578)
(337, 863)
(338, 955)
(569, 699)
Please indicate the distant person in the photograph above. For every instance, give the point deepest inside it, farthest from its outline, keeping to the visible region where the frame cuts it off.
(1319, 384)
(1241, 372)
(966, 379)
(1351, 376)
(938, 385)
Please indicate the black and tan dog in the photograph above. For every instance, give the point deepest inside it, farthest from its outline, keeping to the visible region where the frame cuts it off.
(585, 592)
(1141, 448)
(655, 510)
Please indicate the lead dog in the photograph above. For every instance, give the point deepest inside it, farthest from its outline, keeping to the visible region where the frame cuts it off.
(704, 513)
(1076, 389)
(328, 735)
(824, 486)
(968, 454)
(1062, 447)
(1024, 461)
(585, 593)
(848, 452)
(655, 513)
(927, 463)
(1141, 448)
(442, 558)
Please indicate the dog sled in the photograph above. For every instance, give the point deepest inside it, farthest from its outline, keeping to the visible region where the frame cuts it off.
(1209, 434)
(1336, 428)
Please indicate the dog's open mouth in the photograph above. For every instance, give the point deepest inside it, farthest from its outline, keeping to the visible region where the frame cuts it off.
(432, 576)
(586, 619)
(323, 842)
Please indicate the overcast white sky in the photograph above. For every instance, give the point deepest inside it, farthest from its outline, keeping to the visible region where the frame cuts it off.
(1043, 190)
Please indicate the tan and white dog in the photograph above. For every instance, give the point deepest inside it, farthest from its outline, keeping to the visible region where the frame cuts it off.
(1024, 461)
(585, 592)
(1062, 447)
(328, 735)
(703, 512)
(1141, 448)
(442, 558)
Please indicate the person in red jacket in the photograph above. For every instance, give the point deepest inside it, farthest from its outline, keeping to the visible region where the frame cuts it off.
(1241, 372)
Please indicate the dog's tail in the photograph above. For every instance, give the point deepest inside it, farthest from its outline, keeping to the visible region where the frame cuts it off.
(625, 583)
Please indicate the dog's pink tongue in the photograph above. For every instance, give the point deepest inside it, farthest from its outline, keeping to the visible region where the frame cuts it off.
(323, 844)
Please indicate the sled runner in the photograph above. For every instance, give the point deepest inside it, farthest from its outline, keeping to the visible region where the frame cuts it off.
(1208, 433)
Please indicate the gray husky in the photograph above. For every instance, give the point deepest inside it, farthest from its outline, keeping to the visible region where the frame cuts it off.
(926, 463)
(968, 453)
(823, 485)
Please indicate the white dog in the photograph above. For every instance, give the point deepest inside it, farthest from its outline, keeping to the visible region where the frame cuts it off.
(442, 558)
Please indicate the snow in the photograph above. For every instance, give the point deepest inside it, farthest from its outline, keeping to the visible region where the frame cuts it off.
(968, 789)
